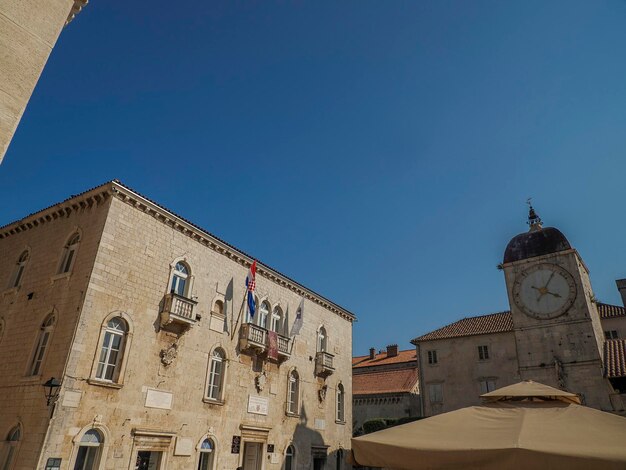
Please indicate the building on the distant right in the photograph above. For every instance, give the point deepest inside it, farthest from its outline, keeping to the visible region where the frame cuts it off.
(556, 332)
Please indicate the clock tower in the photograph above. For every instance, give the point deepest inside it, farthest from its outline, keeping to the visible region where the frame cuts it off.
(557, 329)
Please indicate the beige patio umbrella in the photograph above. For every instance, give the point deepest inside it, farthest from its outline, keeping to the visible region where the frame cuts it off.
(523, 426)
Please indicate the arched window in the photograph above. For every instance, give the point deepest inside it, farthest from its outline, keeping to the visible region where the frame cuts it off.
(180, 280)
(322, 340)
(89, 450)
(339, 459)
(69, 254)
(112, 350)
(290, 458)
(18, 272)
(206, 455)
(341, 404)
(277, 320)
(43, 340)
(217, 369)
(293, 392)
(263, 313)
(13, 440)
(218, 307)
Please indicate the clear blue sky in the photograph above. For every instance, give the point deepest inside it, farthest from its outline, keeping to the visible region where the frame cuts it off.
(378, 152)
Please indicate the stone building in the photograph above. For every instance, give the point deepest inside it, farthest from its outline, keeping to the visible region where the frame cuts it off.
(384, 385)
(28, 32)
(139, 315)
(555, 332)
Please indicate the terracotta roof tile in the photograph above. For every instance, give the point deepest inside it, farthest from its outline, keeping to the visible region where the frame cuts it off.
(381, 359)
(610, 311)
(389, 381)
(499, 323)
(485, 324)
(615, 357)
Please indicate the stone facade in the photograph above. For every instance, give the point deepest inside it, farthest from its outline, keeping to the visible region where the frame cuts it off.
(157, 406)
(28, 32)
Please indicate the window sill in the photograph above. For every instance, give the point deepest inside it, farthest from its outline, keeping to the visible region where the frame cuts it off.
(292, 415)
(104, 383)
(340, 422)
(211, 401)
(56, 277)
(31, 378)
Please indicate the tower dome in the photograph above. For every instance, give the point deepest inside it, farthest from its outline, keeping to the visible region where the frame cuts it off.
(536, 242)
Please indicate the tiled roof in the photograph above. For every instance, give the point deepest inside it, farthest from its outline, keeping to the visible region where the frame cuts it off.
(485, 324)
(390, 381)
(610, 311)
(615, 357)
(499, 323)
(381, 359)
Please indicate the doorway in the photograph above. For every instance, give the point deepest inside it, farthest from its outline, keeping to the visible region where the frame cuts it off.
(148, 460)
(252, 455)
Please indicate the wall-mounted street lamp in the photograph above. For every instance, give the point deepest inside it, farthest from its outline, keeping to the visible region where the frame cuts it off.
(52, 387)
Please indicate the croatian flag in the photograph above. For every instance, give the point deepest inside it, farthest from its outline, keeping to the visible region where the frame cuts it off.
(251, 286)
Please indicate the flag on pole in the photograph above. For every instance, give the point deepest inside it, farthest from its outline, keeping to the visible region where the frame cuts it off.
(297, 324)
(251, 287)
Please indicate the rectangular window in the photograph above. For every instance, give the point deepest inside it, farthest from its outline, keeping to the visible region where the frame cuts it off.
(612, 334)
(435, 393)
(432, 357)
(483, 353)
(487, 386)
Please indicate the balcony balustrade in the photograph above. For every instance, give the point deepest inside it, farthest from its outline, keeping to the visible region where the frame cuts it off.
(256, 339)
(177, 314)
(324, 364)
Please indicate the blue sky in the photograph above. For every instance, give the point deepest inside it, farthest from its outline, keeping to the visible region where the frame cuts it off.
(378, 152)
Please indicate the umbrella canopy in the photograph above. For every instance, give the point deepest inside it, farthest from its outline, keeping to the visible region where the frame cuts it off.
(529, 390)
(529, 434)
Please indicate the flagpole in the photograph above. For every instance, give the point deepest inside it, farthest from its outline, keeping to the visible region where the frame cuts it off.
(243, 301)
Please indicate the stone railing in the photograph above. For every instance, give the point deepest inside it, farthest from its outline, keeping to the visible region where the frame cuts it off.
(324, 364)
(177, 314)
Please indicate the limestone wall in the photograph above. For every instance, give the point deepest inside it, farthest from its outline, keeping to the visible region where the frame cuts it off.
(130, 277)
(23, 309)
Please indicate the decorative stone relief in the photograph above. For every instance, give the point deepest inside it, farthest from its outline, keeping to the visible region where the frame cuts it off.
(260, 381)
(321, 393)
(168, 355)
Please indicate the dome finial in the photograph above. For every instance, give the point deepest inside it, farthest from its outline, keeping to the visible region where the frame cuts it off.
(534, 221)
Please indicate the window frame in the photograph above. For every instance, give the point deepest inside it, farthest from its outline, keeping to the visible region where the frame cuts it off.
(42, 345)
(431, 357)
(276, 320)
(610, 334)
(262, 316)
(432, 397)
(106, 349)
(292, 407)
(340, 404)
(485, 383)
(483, 352)
(291, 454)
(13, 446)
(209, 385)
(69, 253)
(120, 372)
(322, 339)
(177, 276)
(15, 281)
(202, 452)
(105, 437)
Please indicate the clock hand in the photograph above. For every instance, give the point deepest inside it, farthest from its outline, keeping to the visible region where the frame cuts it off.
(553, 294)
(551, 276)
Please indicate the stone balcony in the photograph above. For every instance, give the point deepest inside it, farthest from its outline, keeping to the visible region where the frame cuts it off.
(177, 314)
(324, 364)
(255, 339)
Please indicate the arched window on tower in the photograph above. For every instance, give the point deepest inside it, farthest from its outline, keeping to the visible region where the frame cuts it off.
(180, 280)
(41, 347)
(18, 272)
(207, 452)
(11, 447)
(89, 451)
(68, 257)
(112, 350)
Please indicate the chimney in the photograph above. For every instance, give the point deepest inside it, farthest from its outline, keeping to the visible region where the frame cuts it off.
(621, 287)
(372, 353)
(392, 350)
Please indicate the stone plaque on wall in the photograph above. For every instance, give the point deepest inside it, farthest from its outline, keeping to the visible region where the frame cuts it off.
(158, 399)
(257, 405)
(71, 398)
(183, 446)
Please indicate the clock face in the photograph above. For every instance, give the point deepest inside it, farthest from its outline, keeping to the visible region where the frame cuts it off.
(544, 291)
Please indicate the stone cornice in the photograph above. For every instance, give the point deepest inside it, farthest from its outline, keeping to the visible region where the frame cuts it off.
(205, 238)
(76, 8)
(75, 203)
(116, 189)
